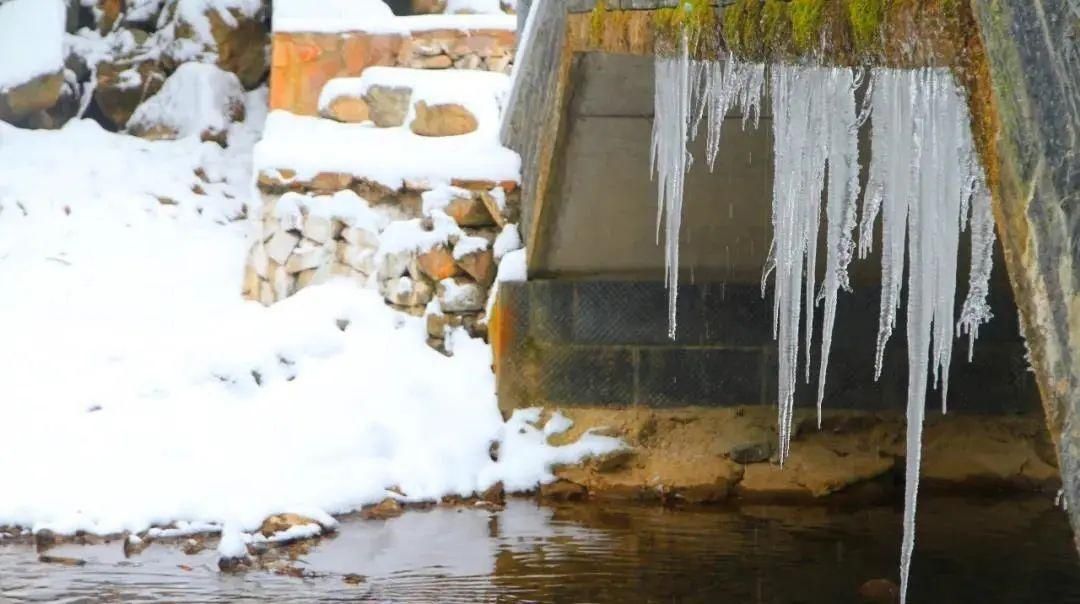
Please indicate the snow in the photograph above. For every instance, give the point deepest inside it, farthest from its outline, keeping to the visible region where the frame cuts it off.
(507, 241)
(196, 98)
(470, 245)
(473, 6)
(374, 16)
(152, 393)
(389, 156)
(31, 40)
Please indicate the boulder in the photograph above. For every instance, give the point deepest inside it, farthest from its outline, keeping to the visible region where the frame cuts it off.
(438, 263)
(480, 265)
(24, 100)
(469, 211)
(460, 295)
(106, 14)
(235, 39)
(197, 100)
(448, 119)
(388, 105)
(357, 257)
(349, 110)
(407, 292)
(123, 85)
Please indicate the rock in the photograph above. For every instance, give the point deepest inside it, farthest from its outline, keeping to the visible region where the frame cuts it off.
(448, 119)
(879, 591)
(281, 245)
(320, 228)
(282, 283)
(434, 62)
(123, 85)
(24, 100)
(233, 564)
(330, 182)
(436, 324)
(315, 276)
(395, 264)
(428, 7)
(134, 545)
(460, 296)
(349, 110)
(283, 522)
(361, 237)
(196, 100)
(480, 265)
(613, 461)
(357, 257)
(438, 263)
(756, 452)
(65, 108)
(106, 14)
(407, 292)
(259, 260)
(238, 41)
(192, 547)
(495, 494)
(387, 508)
(308, 255)
(61, 560)
(353, 579)
(563, 490)
(388, 106)
(469, 211)
(44, 539)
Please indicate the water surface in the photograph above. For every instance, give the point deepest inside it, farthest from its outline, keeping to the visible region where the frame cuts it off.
(967, 550)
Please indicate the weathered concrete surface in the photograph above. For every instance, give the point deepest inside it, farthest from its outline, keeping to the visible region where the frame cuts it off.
(1034, 53)
(710, 455)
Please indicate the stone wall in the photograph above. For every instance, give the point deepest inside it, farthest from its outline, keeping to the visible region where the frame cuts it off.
(303, 62)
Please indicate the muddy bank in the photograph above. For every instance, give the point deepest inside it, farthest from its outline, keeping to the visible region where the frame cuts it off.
(698, 455)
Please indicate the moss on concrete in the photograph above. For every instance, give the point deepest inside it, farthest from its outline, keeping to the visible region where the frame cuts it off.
(694, 19)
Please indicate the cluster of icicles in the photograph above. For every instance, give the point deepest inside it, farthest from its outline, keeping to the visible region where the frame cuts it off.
(925, 182)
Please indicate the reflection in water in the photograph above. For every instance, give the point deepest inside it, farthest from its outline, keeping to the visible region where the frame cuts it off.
(969, 551)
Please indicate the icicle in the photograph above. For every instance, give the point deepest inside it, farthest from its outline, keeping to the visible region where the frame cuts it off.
(922, 177)
(809, 132)
(976, 311)
(688, 91)
(670, 159)
(840, 205)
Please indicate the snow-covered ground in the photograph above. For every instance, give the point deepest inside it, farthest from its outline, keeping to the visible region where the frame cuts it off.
(138, 388)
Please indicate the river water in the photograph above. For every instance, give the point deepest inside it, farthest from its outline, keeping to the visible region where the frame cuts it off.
(968, 550)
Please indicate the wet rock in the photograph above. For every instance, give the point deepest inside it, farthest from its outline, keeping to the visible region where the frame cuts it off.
(385, 509)
(61, 560)
(613, 461)
(283, 522)
(448, 119)
(234, 564)
(755, 452)
(192, 546)
(563, 490)
(388, 105)
(353, 579)
(44, 539)
(134, 545)
(879, 591)
(494, 494)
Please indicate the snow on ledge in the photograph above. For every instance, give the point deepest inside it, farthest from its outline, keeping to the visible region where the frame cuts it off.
(389, 156)
(359, 16)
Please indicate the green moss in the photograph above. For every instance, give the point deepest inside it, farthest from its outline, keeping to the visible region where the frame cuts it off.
(596, 22)
(866, 17)
(806, 21)
(694, 18)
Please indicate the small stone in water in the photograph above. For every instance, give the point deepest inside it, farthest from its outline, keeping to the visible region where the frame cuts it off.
(751, 452)
(879, 591)
(61, 560)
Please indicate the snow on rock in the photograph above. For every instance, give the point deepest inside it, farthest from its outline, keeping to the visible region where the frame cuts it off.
(473, 7)
(389, 156)
(197, 100)
(195, 13)
(31, 40)
(480, 92)
(507, 241)
(140, 301)
(374, 16)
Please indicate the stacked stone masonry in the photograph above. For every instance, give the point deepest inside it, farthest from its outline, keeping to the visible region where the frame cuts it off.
(302, 63)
